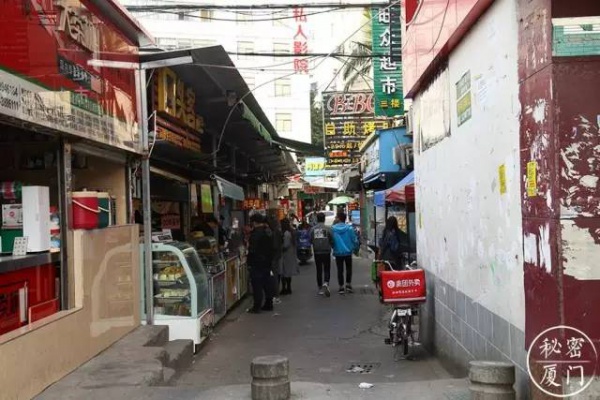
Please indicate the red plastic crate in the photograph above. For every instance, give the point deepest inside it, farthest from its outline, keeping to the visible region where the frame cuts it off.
(404, 286)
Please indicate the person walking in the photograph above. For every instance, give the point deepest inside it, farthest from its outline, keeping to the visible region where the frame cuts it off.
(393, 243)
(321, 239)
(277, 263)
(345, 243)
(290, 266)
(260, 259)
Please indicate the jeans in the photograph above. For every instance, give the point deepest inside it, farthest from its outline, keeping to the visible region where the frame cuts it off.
(340, 261)
(323, 262)
(262, 284)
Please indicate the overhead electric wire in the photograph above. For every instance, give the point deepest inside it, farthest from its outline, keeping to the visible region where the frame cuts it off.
(194, 7)
(186, 14)
(240, 100)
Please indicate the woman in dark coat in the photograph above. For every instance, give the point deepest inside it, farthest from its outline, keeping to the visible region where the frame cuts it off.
(393, 243)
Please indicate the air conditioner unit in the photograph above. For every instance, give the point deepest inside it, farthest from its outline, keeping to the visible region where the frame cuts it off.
(403, 156)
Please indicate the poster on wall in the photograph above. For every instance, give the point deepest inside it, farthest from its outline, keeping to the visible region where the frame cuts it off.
(463, 99)
(431, 113)
(206, 200)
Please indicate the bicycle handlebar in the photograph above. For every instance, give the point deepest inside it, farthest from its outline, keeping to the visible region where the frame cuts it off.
(410, 266)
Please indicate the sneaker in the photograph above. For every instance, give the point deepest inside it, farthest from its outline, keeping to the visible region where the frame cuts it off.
(349, 288)
(253, 310)
(342, 291)
(321, 292)
(326, 290)
(276, 300)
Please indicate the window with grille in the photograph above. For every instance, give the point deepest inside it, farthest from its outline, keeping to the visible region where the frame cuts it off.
(283, 87)
(283, 122)
(245, 47)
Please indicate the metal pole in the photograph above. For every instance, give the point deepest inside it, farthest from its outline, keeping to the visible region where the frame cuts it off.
(64, 195)
(142, 94)
(129, 191)
(215, 193)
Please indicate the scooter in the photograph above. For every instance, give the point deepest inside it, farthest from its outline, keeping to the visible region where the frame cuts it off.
(304, 248)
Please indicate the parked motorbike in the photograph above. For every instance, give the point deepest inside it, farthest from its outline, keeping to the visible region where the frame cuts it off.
(304, 248)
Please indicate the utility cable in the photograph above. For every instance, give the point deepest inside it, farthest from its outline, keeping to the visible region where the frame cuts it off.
(166, 11)
(240, 100)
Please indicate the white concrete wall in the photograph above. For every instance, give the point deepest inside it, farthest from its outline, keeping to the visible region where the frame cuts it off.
(469, 234)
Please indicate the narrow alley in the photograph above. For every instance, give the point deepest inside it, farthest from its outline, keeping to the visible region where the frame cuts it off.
(323, 339)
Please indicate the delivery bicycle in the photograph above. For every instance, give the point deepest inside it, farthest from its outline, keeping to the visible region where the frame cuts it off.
(405, 290)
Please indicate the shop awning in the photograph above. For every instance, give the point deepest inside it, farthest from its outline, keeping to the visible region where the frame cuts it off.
(229, 189)
(211, 73)
(307, 149)
(401, 192)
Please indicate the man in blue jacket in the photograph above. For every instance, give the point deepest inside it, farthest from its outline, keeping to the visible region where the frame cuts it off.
(345, 242)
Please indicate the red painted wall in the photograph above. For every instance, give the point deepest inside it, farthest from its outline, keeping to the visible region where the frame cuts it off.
(437, 28)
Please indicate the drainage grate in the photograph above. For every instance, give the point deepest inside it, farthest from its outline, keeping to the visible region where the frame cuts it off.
(362, 368)
(365, 290)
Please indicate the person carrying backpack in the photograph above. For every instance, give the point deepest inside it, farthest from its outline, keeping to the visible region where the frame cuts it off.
(321, 238)
(393, 243)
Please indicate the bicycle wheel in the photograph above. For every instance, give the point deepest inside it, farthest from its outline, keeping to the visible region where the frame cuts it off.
(405, 323)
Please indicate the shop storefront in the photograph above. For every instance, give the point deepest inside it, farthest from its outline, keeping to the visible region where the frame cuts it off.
(381, 168)
(70, 138)
(206, 153)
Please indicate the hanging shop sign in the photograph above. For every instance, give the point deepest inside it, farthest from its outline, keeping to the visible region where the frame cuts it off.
(314, 166)
(387, 66)
(177, 101)
(254, 204)
(166, 131)
(371, 159)
(300, 42)
(348, 120)
(47, 80)
(206, 198)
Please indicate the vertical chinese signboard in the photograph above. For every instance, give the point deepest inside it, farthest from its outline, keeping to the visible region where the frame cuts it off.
(348, 120)
(387, 64)
(300, 42)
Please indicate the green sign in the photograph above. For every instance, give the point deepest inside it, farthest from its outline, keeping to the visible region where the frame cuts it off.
(387, 63)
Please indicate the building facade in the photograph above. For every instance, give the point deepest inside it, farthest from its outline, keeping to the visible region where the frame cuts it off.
(283, 94)
(506, 144)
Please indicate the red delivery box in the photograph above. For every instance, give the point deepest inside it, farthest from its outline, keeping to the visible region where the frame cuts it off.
(404, 286)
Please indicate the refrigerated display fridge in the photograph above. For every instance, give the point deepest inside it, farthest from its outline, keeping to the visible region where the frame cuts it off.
(181, 292)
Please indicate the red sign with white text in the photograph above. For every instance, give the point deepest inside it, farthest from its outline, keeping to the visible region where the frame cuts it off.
(45, 47)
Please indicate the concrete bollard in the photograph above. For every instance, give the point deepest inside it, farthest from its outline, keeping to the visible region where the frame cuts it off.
(270, 378)
(492, 380)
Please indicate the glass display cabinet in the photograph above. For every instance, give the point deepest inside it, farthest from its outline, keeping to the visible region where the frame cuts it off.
(181, 291)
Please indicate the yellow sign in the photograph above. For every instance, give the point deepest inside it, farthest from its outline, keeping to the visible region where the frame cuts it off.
(177, 100)
(502, 178)
(532, 179)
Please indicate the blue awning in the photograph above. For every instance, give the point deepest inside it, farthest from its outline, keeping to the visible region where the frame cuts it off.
(407, 180)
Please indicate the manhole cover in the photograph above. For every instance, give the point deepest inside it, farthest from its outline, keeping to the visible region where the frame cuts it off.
(365, 290)
(362, 368)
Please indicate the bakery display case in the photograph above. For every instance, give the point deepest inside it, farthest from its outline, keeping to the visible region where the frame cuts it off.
(181, 291)
(208, 251)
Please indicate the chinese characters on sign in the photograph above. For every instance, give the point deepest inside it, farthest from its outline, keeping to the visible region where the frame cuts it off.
(463, 98)
(300, 42)
(315, 166)
(387, 65)
(561, 361)
(348, 120)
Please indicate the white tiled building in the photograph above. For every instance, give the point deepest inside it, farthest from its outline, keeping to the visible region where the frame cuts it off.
(286, 101)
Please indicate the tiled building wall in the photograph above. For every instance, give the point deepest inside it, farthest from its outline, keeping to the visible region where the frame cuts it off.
(458, 330)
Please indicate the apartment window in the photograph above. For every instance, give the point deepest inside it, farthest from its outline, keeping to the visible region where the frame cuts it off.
(203, 43)
(279, 19)
(243, 17)
(283, 122)
(283, 87)
(206, 15)
(245, 47)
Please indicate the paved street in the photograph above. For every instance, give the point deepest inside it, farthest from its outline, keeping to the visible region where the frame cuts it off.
(322, 337)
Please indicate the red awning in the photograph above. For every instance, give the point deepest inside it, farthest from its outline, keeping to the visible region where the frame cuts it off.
(403, 191)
